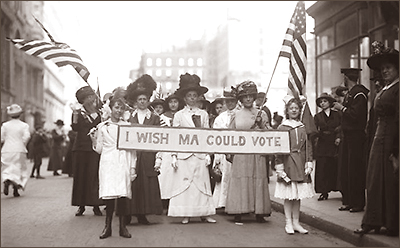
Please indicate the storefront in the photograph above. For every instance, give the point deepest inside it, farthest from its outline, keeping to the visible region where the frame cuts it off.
(344, 32)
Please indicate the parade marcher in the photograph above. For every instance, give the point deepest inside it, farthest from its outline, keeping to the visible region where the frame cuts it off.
(382, 208)
(56, 153)
(326, 150)
(85, 188)
(67, 166)
(36, 148)
(173, 104)
(353, 162)
(117, 167)
(220, 162)
(260, 104)
(248, 190)
(191, 196)
(276, 120)
(216, 108)
(293, 170)
(14, 137)
(157, 105)
(146, 197)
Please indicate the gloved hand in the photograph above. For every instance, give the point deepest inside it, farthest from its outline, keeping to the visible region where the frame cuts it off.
(174, 163)
(133, 174)
(208, 160)
(308, 168)
(281, 173)
(157, 165)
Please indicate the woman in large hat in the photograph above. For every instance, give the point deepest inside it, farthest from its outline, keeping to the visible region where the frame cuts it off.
(146, 197)
(382, 182)
(248, 190)
(191, 195)
(85, 189)
(56, 153)
(14, 137)
(327, 123)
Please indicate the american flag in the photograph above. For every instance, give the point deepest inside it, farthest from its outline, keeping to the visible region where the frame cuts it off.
(59, 53)
(295, 48)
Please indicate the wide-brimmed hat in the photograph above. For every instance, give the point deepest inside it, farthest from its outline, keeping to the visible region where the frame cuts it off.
(382, 54)
(246, 88)
(59, 122)
(14, 110)
(230, 93)
(340, 90)
(174, 96)
(145, 85)
(189, 82)
(327, 97)
(157, 101)
(84, 92)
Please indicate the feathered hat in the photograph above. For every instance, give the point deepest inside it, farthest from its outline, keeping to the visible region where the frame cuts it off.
(382, 54)
(229, 93)
(189, 82)
(145, 85)
(246, 88)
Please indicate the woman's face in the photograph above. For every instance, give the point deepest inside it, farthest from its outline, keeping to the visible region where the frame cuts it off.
(90, 101)
(324, 104)
(230, 103)
(219, 108)
(191, 98)
(293, 111)
(247, 101)
(159, 109)
(389, 72)
(173, 104)
(117, 111)
(142, 102)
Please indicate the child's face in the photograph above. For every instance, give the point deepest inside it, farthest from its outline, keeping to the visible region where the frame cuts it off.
(293, 111)
(219, 108)
(117, 110)
(159, 109)
(173, 104)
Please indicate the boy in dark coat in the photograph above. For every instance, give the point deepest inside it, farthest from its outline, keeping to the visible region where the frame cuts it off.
(36, 150)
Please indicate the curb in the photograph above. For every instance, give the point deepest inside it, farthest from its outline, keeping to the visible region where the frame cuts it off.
(338, 231)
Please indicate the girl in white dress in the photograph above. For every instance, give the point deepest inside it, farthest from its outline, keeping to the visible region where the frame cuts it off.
(293, 170)
(117, 167)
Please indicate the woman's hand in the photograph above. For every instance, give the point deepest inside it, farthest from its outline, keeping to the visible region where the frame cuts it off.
(174, 163)
(157, 165)
(337, 141)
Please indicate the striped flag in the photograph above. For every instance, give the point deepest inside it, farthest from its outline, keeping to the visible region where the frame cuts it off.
(295, 48)
(59, 53)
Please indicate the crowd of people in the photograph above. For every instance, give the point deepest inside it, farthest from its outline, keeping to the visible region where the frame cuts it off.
(353, 154)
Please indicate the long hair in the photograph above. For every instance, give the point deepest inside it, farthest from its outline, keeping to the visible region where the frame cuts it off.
(287, 105)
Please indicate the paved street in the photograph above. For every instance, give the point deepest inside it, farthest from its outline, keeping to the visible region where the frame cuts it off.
(43, 216)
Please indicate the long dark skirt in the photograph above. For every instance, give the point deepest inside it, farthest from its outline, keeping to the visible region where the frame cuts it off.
(146, 197)
(326, 170)
(85, 190)
(56, 159)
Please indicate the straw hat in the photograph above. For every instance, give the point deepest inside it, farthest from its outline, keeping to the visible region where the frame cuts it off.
(14, 110)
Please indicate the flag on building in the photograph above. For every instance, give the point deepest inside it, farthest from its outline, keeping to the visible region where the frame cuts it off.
(59, 53)
(295, 48)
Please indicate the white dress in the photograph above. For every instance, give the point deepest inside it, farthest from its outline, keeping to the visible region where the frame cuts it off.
(221, 188)
(115, 165)
(15, 135)
(191, 194)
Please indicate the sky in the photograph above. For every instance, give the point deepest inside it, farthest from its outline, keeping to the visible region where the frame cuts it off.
(111, 35)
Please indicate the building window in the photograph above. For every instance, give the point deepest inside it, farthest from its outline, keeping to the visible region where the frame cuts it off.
(325, 40)
(168, 73)
(158, 73)
(199, 62)
(181, 62)
(158, 62)
(150, 72)
(346, 29)
(168, 62)
(190, 62)
(149, 62)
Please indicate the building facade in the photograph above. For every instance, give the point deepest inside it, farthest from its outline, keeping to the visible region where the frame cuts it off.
(344, 32)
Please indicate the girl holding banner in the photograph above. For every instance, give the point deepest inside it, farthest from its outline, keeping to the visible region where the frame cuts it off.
(191, 195)
(294, 169)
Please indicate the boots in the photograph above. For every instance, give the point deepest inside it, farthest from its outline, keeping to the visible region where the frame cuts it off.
(123, 232)
(296, 214)
(6, 186)
(287, 207)
(16, 194)
(107, 229)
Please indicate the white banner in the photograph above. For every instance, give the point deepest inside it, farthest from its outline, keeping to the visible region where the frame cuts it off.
(202, 140)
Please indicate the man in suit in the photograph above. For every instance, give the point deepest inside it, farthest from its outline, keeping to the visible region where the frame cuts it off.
(353, 162)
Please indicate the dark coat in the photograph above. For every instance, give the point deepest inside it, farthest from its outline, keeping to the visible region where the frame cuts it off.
(356, 102)
(85, 161)
(36, 145)
(328, 132)
(382, 179)
(56, 155)
(146, 196)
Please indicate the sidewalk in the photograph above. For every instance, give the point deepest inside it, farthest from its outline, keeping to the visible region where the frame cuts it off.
(325, 216)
